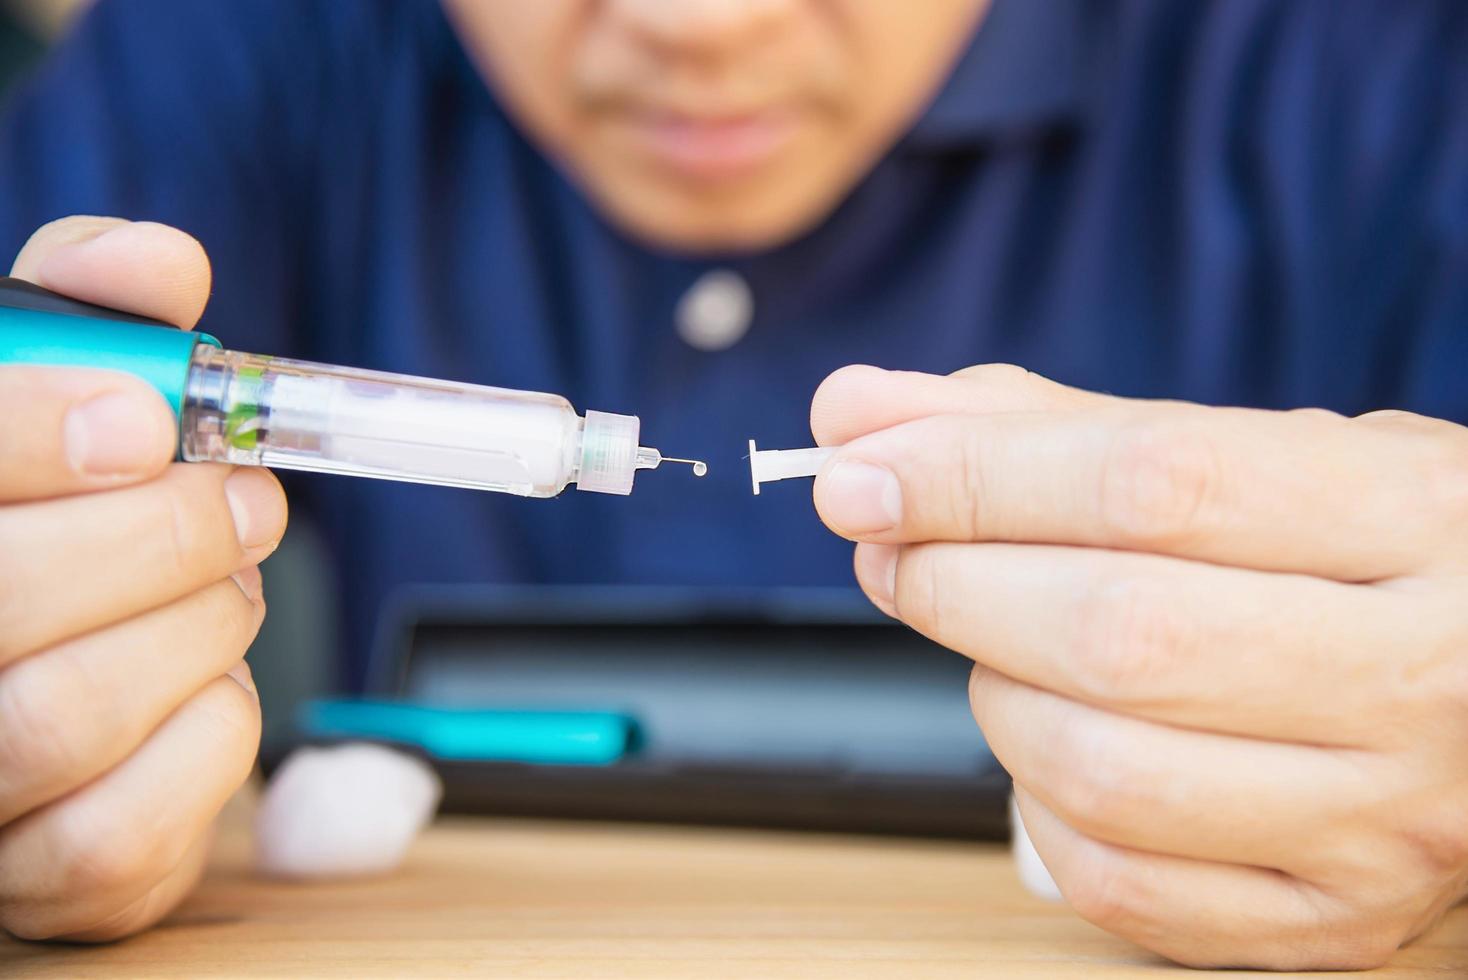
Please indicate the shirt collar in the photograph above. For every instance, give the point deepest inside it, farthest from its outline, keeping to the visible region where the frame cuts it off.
(1022, 71)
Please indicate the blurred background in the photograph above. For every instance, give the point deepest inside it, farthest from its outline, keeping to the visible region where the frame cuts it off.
(26, 28)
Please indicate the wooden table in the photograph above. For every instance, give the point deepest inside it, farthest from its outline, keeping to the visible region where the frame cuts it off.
(503, 898)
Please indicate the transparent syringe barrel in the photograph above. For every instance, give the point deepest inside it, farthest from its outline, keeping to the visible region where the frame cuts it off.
(270, 411)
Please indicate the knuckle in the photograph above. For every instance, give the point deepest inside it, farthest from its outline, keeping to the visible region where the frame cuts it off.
(967, 502)
(1438, 840)
(1105, 892)
(178, 516)
(921, 597)
(1101, 789)
(1358, 953)
(1012, 387)
(1442, 478)
(1437, 693)
(1361, 943)
(1316, 414)
(1158, 480)
(996, 374)
(195, 547)
(1429, 686)
(1327, 930)
(1131, 635)
(1410, 425)
(1385, 415)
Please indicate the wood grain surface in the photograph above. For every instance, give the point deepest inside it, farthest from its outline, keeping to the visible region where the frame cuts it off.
(503, 898)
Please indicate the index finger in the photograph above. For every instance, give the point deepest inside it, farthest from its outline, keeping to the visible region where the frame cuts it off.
(1305, 492)
(860, 399)
(73, 430)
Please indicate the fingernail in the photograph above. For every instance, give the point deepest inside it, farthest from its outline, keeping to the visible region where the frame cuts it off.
(250, 582)
(240, 674)
(114, 434)
(860, 498)
(256, 504)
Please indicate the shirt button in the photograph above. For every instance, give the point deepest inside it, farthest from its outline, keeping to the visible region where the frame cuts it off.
(716, 311)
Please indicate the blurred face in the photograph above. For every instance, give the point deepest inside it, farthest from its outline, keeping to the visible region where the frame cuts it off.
(716, 125)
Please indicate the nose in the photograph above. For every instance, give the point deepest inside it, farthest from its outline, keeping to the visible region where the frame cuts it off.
(704, 26)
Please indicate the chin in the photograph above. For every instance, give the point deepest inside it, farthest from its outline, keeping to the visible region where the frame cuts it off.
(712, 221)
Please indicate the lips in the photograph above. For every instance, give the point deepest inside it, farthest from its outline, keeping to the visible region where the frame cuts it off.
(712, 148)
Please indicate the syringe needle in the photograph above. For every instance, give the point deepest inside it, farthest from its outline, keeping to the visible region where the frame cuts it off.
(699, 466)
(650, 459)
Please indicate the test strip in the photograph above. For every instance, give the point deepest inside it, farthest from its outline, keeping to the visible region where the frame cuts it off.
(768, 465)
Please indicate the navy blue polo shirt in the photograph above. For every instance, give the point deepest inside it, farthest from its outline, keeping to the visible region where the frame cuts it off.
(1259, 202)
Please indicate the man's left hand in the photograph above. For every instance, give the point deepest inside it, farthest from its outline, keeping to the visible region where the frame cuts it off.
(1223, 652)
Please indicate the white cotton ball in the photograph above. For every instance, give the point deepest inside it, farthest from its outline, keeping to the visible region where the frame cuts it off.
(1032, 871)
(343, 811)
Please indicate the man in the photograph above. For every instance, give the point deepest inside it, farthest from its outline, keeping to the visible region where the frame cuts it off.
(1222, 651)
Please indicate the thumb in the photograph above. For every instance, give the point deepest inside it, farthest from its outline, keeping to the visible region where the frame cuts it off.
(859, 399)
(134, 266)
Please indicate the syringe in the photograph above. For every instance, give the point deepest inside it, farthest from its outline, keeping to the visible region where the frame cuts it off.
(255, 410)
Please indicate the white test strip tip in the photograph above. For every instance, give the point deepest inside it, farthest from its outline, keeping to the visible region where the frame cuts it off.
(768, 465)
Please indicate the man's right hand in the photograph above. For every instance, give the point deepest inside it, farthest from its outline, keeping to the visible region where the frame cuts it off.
(128, 595)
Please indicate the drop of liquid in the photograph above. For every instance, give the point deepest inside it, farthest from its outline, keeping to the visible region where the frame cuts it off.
(700, 469)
